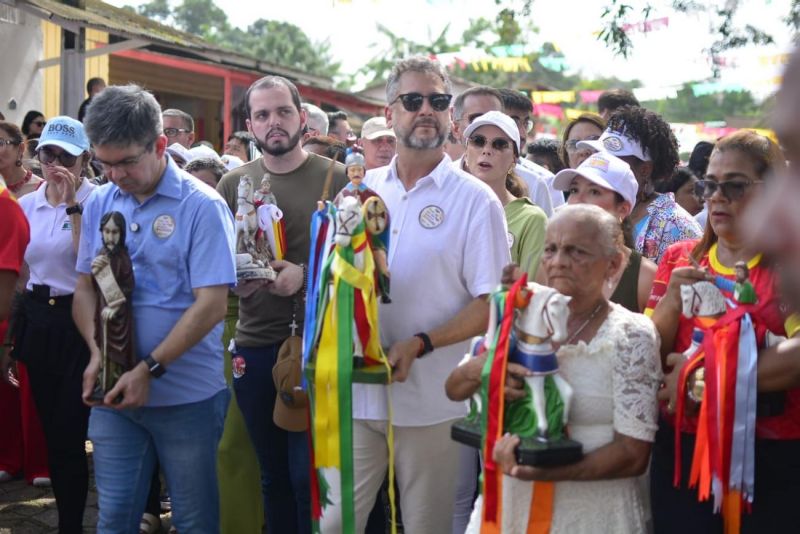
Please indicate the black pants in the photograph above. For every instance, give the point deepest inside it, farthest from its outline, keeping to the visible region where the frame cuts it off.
(56, 356)
(776, 507)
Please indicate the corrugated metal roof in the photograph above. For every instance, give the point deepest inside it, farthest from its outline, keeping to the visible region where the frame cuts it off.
(124, 23)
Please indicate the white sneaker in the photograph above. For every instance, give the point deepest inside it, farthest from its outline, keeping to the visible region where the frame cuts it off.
(42, 482)
(5, 476)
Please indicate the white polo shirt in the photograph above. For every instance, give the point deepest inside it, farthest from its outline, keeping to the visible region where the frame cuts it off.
(50, 255)
(448, 246)
(540, 185)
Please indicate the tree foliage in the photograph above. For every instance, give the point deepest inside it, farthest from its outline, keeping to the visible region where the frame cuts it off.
(276, 42)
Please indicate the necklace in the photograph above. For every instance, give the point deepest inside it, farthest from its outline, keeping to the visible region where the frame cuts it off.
(14, 188)
(585, 323)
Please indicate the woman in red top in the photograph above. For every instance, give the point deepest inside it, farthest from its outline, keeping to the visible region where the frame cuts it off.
(736, 173)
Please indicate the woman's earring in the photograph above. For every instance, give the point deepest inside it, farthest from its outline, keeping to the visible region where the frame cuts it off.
(18, 163)
(610, 283)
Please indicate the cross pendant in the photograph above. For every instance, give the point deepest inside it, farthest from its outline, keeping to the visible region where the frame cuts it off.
(294, 326)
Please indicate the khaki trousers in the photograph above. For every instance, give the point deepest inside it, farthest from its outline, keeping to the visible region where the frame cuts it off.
(426, 463)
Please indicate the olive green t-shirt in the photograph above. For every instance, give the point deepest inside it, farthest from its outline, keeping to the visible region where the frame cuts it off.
(526, 225)
(264, 318)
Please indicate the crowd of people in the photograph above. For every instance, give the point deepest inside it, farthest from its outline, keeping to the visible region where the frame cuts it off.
(607, 215)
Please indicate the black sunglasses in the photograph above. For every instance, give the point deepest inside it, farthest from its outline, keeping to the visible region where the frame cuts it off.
(733, 190)
(413, 101)
(498, 143)
(47, 157)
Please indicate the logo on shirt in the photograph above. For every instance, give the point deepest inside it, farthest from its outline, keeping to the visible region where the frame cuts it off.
(431, 217)
(66, 225)
(164, 226)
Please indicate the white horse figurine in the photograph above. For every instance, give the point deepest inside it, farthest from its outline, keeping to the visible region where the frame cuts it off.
(702, 299)
(246, 219)
(541, 323)
(348, 217)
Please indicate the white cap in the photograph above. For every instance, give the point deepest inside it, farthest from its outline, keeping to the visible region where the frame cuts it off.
(499, 119)
(231, 162)
(376, 127)
(617, 144)
(605, 170)
(202, 151)
(177, 149)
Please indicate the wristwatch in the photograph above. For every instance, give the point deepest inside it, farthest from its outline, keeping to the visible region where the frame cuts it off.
(156, 369)
(77, 208)
(427, 346)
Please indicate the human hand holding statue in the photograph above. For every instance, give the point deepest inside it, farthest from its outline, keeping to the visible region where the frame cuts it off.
(99, 263)
(289, 280)
(90, 376)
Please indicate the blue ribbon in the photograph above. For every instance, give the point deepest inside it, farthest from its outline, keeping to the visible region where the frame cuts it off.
(319, 222)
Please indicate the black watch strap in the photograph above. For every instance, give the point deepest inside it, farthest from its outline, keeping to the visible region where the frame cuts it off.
(156, 369)
(427, 346)
(77, 208)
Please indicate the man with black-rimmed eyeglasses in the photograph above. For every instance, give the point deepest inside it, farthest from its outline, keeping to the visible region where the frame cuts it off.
(178, 127)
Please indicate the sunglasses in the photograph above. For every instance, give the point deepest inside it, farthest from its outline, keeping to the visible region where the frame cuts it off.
(732, 190)
(172, 132)
(40, 124)
(47, 157)
(498, 143)
(413, 101)
(8, 142)
(572, 144)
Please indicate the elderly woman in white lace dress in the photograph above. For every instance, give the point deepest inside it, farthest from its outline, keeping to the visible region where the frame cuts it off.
(611, 359)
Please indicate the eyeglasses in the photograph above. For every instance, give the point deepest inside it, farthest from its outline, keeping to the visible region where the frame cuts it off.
(524, 123)
(40, 123)
(572, 144)
(732, 190)
(172, 132)
(48, 157)
(8, 142)
(498, 143)
(124, 164)
(413, 101)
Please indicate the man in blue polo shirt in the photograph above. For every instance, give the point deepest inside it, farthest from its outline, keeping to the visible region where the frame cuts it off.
(173, 402)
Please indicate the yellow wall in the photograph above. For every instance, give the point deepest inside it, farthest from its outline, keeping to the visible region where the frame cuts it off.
(95, 66)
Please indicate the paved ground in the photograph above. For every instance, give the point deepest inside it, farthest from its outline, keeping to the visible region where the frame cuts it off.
(25, 509)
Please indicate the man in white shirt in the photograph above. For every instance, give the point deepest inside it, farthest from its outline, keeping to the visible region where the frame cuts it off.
(539, 180)
(447, 251)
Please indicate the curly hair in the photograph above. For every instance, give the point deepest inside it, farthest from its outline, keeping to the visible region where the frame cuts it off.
(653, 133)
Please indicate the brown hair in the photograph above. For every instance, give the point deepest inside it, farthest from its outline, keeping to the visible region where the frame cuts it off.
(766, 157)
(516, 185)
(12, 130)
(593, 118)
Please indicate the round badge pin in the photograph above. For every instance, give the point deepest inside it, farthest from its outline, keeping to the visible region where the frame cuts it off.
(239, 366)
(510, 239)
(613, 144)
(164, 226)
(431, 216)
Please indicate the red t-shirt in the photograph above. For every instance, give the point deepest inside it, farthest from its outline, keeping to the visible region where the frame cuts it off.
(774, 318)
(14, 236)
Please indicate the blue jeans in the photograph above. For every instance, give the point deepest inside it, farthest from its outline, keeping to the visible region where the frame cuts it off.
(184, 438)
(282, 455)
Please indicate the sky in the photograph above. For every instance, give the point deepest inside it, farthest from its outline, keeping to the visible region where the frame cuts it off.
(665, 57)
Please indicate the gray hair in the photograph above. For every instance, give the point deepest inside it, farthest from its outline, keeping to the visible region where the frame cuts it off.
(481, 90)
(420, 64)
(207, 164)
(188, 121)
(608, 230)
(123, 115)
(317, 119)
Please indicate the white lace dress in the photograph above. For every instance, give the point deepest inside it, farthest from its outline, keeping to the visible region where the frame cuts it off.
(615, 379)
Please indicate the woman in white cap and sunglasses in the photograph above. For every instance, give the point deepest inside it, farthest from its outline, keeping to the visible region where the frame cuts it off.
(492, 151)
(608, 182)
(45, 336)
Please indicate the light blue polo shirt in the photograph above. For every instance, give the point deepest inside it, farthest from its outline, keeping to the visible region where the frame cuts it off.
(178, 239)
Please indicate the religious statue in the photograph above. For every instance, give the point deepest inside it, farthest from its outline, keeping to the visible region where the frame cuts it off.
(252, 257)
(524, 322)
(376, 217)
(112, 274)
(743, 291)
